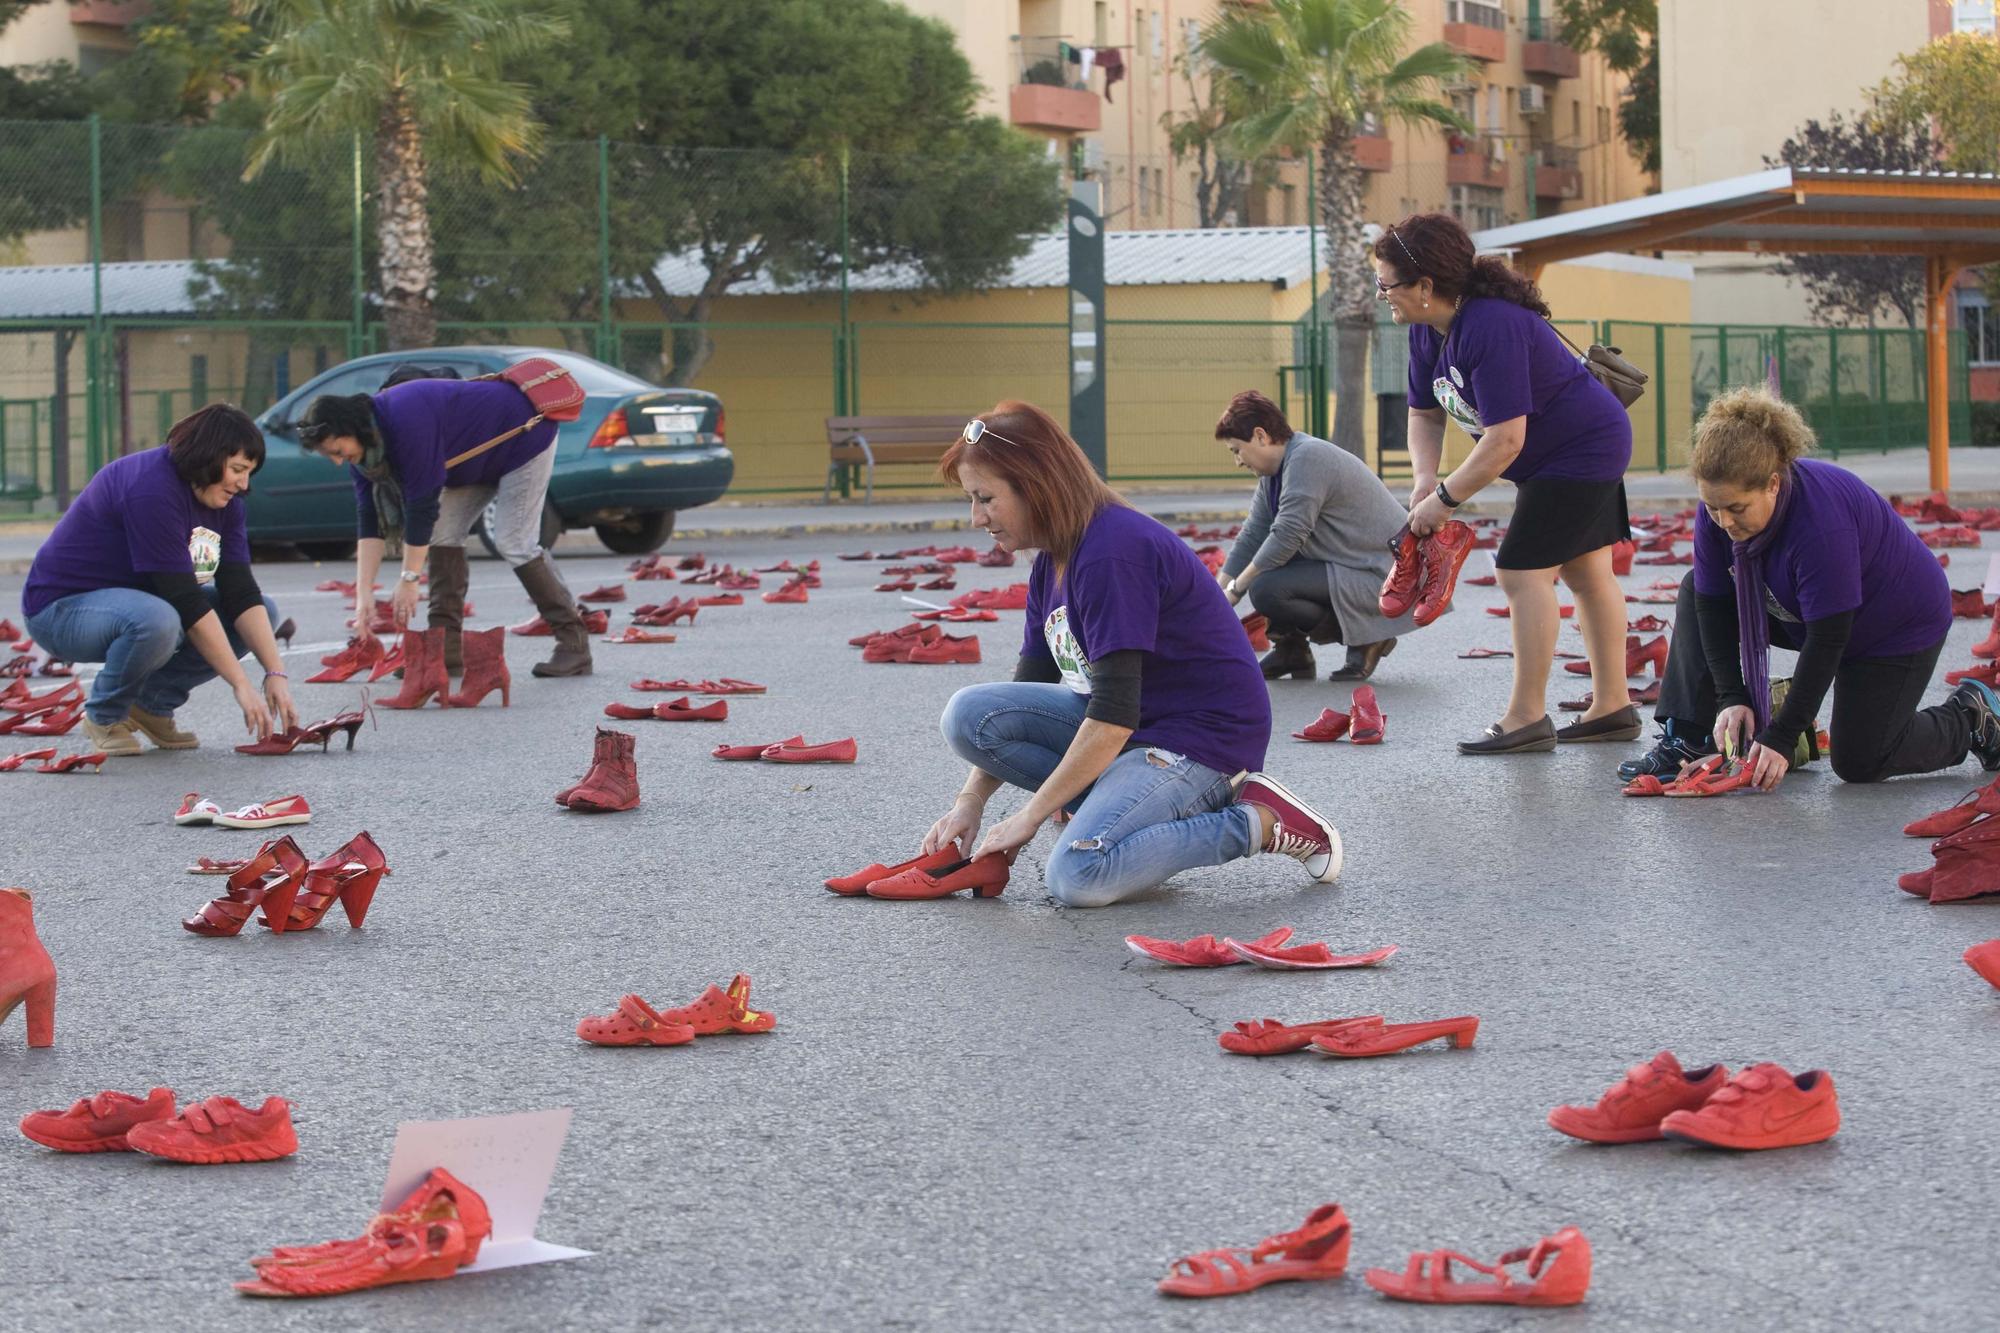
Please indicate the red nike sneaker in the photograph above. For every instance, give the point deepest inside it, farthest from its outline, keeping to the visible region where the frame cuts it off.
(1631, 1111)
(1765, 1106)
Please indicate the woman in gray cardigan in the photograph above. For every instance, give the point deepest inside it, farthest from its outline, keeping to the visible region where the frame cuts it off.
(1316, 548)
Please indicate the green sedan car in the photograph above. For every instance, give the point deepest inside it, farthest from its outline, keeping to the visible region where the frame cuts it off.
(637, 456)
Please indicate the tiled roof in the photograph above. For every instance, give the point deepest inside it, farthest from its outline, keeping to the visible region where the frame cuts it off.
(62, 291)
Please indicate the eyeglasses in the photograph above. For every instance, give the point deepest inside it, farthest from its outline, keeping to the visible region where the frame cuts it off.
(1384, 288)
(975, 429)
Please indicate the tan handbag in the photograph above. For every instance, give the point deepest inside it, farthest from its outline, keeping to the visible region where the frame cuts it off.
(1608, 366)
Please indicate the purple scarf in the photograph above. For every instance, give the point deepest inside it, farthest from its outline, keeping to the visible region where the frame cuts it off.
(1752, 618)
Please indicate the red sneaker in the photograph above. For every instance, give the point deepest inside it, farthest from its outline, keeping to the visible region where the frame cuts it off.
(1985, 960)
(1202, 950)
(986, 876)
(1300, 832)
(1631, 1111)
(220, 1129)
(1368, 719)
(832, 752)
(684, 709)
(1330, 725)
(946, 651)
(1444, 553)
(195, 809)
(1765, 1106)
(751, 751)
(1399, 590)
(97, 1124)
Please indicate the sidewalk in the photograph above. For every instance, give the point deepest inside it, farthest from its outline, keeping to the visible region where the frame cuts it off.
(1975, 480)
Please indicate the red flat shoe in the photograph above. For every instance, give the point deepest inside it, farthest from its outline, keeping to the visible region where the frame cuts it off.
(610, 592)
(14, 761)
(731, 685)
(220, 1129)
(1314, 1252)
(1305, 957)
(946, 651)
(270, 880)
(1330, 725)
(628, 712)
(855, 555)
(1481, 654)
(635, 1023)
(1765, 1106)
(832, 752)
(720, 599)
(1201, 951)
(1985, 960)
(716, 1012)
(741, 752)
(1368, 719)
(1632, 1109)
(986, 876)
(858, 882)
(99, 1123)
(1392, 1037)
(1443, 554)
(1558, 1269)
(647, 685)
(633, 634)
(686, 710)
(348, 876)
(210, 866)
(263, 814)
(1267, 1036)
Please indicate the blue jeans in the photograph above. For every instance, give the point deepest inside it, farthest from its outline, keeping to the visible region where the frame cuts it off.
(1150, 815)
(148, 660)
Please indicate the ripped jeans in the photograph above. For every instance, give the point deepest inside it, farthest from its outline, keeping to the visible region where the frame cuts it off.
(1150, 815)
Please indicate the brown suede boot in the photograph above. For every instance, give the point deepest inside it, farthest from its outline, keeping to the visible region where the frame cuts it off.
(449, 580)
(613, 781)
(552, 598)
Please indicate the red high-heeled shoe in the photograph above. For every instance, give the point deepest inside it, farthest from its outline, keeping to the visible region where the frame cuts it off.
(13, 761)
(27, 973)
(60, 722)
(70, 763)
(349, 722)
(349, 876)
(271, 880)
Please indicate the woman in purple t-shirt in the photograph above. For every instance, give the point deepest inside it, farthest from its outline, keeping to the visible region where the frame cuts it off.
(1482, 352)
(1137, 705)
(1802, 554)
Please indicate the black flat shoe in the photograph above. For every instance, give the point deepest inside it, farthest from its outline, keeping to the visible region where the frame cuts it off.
(1623, 725)
(1534, 738)
(1362, 659)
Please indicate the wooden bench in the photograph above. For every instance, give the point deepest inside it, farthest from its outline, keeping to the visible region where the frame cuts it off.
(866, 441)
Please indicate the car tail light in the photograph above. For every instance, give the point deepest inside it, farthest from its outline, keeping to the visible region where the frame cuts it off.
(721, 423)
(614, 431)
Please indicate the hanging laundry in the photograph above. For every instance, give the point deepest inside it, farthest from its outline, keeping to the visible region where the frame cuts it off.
(1112, 61)
(1088, 57)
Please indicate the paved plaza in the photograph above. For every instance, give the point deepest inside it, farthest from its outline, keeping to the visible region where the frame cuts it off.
(989, 1114)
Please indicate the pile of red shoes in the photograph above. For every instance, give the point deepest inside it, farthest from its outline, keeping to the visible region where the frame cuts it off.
(206, 1133)
(938, 874)
(1949, 536)
(433, 1233)
(1716, 775)
(1762, 1107)
(792, 750)
(715, 1012)
(682, 709)
(52, 713)
(1425, 573)
(918, 644)
(1362, 724)
(1966, 853)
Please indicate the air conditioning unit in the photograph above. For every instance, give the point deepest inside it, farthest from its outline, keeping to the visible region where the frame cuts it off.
(1534, 99)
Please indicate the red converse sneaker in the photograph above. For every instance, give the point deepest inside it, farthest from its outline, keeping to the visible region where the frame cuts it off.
(220, 1129)
(1632, 1110)
(99, 1123)
(1299, 831)
(1765, 1106)
(1444, 553)
(1399, 590)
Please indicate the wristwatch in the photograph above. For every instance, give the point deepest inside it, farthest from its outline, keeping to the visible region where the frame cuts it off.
(1444, 497)
(415, 575)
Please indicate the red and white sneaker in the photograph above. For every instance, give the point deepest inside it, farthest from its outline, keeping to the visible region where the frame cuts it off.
(268, 814)
(1301, 833)
(195, 809)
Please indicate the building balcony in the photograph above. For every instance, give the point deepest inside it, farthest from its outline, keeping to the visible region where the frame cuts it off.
(107, 13)
(1557, 182)
(1475, 168)
(1037, 106)
(1551, 57)
(1476, 40)
(1374, 152)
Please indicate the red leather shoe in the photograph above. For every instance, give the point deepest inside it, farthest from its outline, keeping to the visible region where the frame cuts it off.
(1967, 864)
(1360, 1043)
(1443, 554)
(1305, 957)
(220, 1129)
(913, 630)
(1632, 1109)
(793, 592)
(1985, 960)
(634, 1023)
(667, 613)
(1368, 720)
(1013, 597)
(897, 585)
(942, 583)
(612, 784)
(1315, 1252)
(424, 675)
(1637, 657)
(1990, 645)
(995, 558)
(1765, 1106)
(1942, 823)
(610, 592)
(1267, 1036)
(628, 712)
(739, 583)
(831, 752)
(348, 876)
(742, 752)
(388, 664)
(693, 560)
(1399, 590)
(686, 710)
(359, 655)
(720, 599)
(1558, 1273)
(27, 973)
(26, 703)
(1201, 951)
(986, 876)
(57, 722)
(99, 1123)
(274, 813)
(716, 1012)
(270, 880)
(946, 651)
(858, 882)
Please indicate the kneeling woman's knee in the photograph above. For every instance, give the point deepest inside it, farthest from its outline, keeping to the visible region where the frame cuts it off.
(155, 633)
(1076, 874)
(1851, 767)
(961, 716)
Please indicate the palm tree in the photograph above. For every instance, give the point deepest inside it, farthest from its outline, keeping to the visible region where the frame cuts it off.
(1312, 73)
(420, 78)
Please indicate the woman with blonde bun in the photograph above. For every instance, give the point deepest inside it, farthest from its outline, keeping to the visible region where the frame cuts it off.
(1793, 552)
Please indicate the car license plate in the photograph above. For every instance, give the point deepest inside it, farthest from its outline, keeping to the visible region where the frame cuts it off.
(665, 422)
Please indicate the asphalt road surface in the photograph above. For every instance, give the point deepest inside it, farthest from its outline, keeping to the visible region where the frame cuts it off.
(989, 1114)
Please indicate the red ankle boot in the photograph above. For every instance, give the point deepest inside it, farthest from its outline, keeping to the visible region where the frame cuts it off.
(423, 671)
(485, 667)
(613, 781)
(1968, 863)
(27, 973)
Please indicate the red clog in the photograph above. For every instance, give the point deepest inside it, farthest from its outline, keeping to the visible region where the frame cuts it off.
(99, 1123)
(741, 752)
(220, 1129)
(986, 876)
(1632, 1109)
(1765, 1106)
(439, 1197)
(634, 1023)
(1315, 1252)
(1201, 951)
(717, 1011)
(1558, 1272)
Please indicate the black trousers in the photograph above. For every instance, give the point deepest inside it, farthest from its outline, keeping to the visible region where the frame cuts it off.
(1297, 599)
(1877, 729)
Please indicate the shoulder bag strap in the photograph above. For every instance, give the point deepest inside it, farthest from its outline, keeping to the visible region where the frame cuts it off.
(479, 449)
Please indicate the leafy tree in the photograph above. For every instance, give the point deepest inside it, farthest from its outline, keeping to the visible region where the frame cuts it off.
(1199, 135)
(1311, 72)
(1954, 84)
(1626, 34)
(420, 78)
(1843, 289)
(732, 126)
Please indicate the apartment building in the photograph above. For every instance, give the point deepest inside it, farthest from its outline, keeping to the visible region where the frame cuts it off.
(1545, 141)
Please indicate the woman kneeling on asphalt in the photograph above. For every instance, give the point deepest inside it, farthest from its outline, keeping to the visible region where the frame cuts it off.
(1482, 351)
(1136, 705)
(149, 573)
(397, 444)
(1802, 554)
(1317, 545)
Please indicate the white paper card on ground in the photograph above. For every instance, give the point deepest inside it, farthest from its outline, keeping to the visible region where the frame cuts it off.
(1482, 564)
(928, 606)
(1992, 589)
(509, 1159)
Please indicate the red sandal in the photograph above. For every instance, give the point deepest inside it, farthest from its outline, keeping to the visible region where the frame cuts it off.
(1316, 1251)
(1267, 1036)
(635, 1023)
(1330, 725)
(1387, 1039)
(1202, 950)
(1558, 1270)
(270, 880)
(1305, 957)
(14, 761)
(685, 709)
(349, 877)
(69, 763)
(392, 1253)
(440, 1197)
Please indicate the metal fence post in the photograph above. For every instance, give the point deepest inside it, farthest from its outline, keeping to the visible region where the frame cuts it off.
(1660, 398)
(606, 350)
(357, 337)
(94, 339)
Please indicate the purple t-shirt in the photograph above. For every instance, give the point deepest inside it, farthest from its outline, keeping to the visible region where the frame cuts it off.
(424, 422)
(1132, 584)
(1500, 361)
(1842, 548)
(136, 516)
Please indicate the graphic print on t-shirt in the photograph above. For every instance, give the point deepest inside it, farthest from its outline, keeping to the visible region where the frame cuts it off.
(1067, 652)
(1455, 405)
(205, 550)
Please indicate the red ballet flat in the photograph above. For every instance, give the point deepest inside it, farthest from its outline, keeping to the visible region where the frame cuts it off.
(1316, 1251)
(270, 880)
(1388, 1038)
(98, 1123)
(1201, 951)
(1558, 1269)
(628, 712)
(220, 1129)
(743, 752)
(686, 710)
(717, 1011)
(1267, 1036)
(1305, 957)
(831, 752)
(634, 1023)
(858, 882)
(985, 875)
(349, 877)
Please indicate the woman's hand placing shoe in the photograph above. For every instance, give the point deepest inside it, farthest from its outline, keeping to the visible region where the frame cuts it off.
(256, 714)
(960, 825)
(278, 695)
(1733, 728)
(404, 602)
(1008, 836)
(1767, 767)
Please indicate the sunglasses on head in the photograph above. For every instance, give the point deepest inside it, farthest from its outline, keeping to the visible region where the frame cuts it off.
(975, 430)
